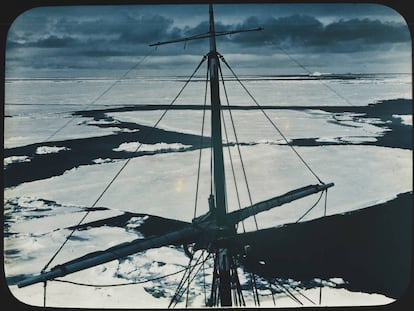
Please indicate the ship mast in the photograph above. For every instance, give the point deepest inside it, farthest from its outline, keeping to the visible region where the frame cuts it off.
(218, 167)
(222, 261)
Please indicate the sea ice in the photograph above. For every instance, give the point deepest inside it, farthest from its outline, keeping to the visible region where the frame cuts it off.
(133, 146)
(164, 184)
(47, 149)
(406, 119)
(18, 130)
(15, 159)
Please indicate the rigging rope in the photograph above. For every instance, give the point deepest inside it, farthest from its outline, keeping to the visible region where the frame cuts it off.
(323, 248)
(135, 66)
(303, 295)
(204, 282)
(236, 280)
(214, 284)
(195, 274)
(131, 283)
(44, 293)
(287, 291)
(124, 165)
(271, 292)
(122, 284)
(175, 297)
(316, 203)
(238, 148)
(272, 122)
(292, 288)
(310, 73)
(232, 169)
(186, 277)
(320, 293)
(188, 285)
(201, 144)
(255, 292)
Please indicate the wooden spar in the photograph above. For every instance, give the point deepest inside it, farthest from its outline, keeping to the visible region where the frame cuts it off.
(203, 228)
(206, 35)
(239, 215)
(183, 236)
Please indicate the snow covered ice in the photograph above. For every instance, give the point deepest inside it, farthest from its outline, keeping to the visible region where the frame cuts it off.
(342, 147)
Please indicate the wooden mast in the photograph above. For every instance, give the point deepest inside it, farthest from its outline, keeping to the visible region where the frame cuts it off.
(218, 163)
(222, 261)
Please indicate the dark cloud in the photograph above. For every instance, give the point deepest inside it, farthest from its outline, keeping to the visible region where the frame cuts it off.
(368, 30)
(147, 28)
(53, 42)
(93, 37)
(307, 32)
(120, 27)
(78, 38)
(325, 11)
(294, 29)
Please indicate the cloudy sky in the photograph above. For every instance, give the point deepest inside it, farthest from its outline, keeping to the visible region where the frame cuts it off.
(106, 40)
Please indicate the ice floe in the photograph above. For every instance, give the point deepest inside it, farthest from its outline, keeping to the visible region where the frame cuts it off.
(136, 146)
(15, 159)
(405, 119)
(50, 149)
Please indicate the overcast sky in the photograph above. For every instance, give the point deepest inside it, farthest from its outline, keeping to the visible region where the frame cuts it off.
(106, 40)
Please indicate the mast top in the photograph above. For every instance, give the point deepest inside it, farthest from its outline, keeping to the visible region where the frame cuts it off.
(212, 30)
(210, 34)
